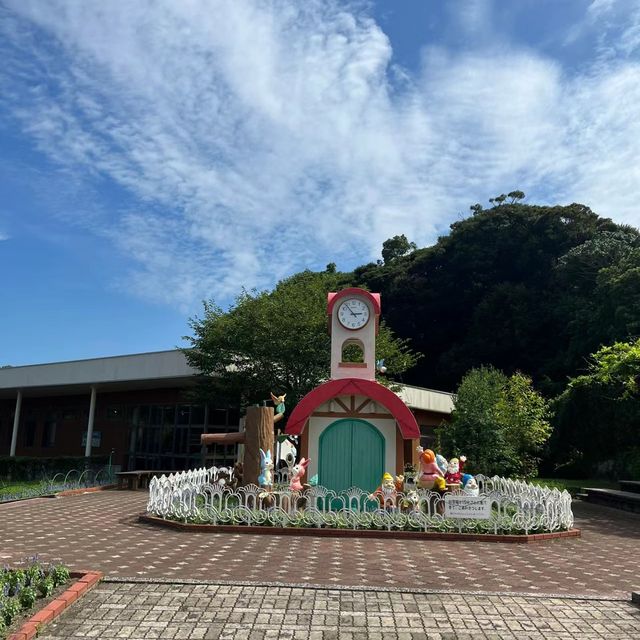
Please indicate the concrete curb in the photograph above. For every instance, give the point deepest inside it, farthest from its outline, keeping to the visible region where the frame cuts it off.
(77, 492)
(358, 533)
(85, 581)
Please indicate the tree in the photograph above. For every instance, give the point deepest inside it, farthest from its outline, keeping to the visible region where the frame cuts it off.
(597, 422)
(515, 196)
(396, 247)
(500, 422)
(495, 291)
(276, 341)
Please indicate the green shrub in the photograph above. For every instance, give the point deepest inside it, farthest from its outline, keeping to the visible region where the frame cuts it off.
(27, 597)
(15, 580)
(33, 468)
(10, 609)
(45, 586)
(60, 574)
(500, 422)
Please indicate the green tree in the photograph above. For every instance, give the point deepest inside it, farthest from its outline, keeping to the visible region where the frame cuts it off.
(276, 341)
(499, 422)
(396, 247)
(496, 290)
(597, 417)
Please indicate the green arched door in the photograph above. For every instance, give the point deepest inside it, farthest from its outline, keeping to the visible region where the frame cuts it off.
(351, 454)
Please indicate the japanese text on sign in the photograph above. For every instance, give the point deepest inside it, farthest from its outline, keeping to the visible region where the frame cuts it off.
(456, 506)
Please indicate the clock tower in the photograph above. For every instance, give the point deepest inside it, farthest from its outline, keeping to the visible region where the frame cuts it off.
(353, 323)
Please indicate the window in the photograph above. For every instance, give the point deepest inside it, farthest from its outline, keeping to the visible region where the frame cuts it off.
(29, 433)
(427, 436)
(49, 433)
(352, 350)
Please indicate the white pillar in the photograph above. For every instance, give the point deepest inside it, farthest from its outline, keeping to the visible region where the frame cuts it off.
(16, 422)
(92, 413)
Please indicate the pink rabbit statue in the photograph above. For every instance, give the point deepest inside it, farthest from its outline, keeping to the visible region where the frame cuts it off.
(296, 475)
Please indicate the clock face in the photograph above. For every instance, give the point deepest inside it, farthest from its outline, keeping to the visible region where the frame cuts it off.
(353, 314)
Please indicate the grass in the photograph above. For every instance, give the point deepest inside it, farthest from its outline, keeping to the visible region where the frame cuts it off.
(574, 486)
(12, 488)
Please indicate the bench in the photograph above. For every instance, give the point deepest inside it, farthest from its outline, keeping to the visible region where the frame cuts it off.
(138, 479)
(626, 500)
(630, 485)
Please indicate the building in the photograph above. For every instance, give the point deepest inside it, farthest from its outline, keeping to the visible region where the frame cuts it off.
(136, 407)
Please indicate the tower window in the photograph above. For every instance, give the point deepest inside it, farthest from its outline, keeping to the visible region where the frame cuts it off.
(352, 350)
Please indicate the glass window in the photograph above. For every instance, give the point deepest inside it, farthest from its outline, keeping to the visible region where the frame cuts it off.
(155, 414)
(197, 414)
(184, 411)
(218, 417)
(169, 415)
(29, 433)
(49, 433)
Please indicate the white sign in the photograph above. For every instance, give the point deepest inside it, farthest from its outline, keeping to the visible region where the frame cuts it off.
(461, 506)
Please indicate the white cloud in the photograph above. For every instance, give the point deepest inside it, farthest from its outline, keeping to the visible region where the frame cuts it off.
(4, 236)
(260, 138)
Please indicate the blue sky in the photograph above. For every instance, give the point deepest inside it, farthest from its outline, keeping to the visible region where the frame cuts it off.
(154, 153)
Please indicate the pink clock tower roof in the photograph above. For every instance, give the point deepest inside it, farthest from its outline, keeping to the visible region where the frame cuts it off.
(351, 387)
(373, 298)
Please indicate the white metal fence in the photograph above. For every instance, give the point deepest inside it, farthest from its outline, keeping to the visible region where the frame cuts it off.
(208, 496)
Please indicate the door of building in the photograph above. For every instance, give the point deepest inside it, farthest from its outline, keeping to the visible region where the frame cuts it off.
(351, 454)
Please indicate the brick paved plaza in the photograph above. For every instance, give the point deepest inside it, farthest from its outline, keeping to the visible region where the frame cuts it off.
(101, 531)
(137, 611)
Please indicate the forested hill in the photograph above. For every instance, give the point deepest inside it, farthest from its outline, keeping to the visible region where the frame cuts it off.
(521, 287)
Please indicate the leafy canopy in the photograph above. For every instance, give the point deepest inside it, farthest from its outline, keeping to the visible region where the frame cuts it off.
(597, 417)
(277, 341)
(500, 422)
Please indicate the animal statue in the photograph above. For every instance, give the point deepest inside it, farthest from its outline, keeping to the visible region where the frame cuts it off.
(470, 485)
(428, 469)
(265, 479)
(411, 501)
(297, 472)
(454, 470)
(278, 402)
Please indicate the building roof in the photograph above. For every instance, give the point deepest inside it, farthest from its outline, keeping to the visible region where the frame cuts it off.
(148, 370)
(139, 370)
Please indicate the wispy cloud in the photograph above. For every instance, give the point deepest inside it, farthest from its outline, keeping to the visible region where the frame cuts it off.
(4, 236)
(260, 138)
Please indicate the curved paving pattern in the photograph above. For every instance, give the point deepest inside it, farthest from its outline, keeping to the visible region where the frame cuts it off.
(101, 531)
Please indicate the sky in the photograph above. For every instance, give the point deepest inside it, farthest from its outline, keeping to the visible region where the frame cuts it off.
(154, 154)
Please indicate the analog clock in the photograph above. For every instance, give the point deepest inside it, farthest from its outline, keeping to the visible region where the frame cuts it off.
(353, 314)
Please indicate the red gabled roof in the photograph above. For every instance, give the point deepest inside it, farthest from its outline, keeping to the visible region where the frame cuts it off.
(351, 387)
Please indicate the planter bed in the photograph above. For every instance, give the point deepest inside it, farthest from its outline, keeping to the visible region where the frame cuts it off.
(29, 625)
(357, 533)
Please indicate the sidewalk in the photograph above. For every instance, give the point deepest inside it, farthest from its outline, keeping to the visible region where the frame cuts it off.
(101, 531)
(138, 611)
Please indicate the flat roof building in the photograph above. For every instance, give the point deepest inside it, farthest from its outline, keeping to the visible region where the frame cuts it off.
(137, 406)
